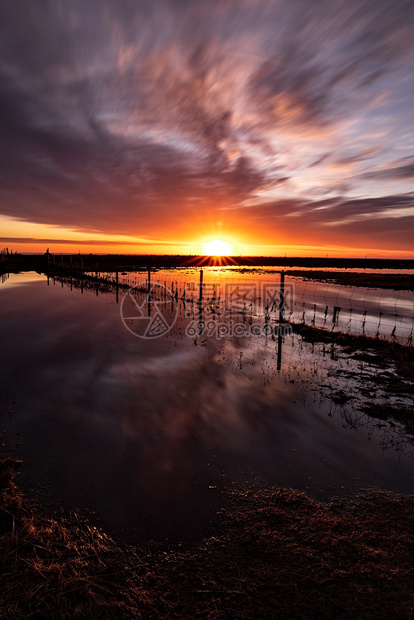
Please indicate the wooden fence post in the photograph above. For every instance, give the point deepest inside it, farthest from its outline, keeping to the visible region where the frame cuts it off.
(282, 296)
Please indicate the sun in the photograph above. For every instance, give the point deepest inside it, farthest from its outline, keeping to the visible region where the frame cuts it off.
(217, 247)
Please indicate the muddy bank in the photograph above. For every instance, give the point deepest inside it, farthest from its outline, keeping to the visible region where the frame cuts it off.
(404, 354)
(397, 282)
(393, 373)
(276, 553)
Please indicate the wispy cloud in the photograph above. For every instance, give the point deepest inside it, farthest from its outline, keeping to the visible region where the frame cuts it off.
(140, 118)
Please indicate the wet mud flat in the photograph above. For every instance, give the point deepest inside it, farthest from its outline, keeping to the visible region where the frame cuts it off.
(397, 282)
(275, 553)
(382, 386)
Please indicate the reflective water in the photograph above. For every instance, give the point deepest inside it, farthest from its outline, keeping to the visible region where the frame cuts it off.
(147, 432)
(353, 309)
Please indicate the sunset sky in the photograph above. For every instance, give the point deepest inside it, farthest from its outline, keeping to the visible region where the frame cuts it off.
(279, 126)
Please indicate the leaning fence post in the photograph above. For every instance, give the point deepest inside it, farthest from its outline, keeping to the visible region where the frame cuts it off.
(282, 296)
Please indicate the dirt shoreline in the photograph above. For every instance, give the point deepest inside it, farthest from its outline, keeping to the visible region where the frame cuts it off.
(276, 553)
(397, 282)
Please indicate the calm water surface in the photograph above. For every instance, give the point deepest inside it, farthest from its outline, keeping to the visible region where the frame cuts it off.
(147, 433)
(359, 310)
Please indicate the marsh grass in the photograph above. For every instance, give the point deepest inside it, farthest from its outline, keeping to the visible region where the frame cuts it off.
(392, 362)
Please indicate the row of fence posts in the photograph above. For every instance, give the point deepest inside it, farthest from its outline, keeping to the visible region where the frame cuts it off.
(201, 284)
(148, 283)
(200, 299)
(281, 305)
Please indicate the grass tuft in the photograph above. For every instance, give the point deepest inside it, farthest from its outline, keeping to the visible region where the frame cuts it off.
(277, 553)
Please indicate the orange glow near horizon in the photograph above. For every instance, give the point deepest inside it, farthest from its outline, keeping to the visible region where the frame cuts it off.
(186, 250)
(29, 237)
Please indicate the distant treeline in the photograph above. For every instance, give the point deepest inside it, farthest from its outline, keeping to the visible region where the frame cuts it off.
(109, 262)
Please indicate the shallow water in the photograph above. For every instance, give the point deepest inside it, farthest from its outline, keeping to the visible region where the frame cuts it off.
(358, 310)
(147, 432)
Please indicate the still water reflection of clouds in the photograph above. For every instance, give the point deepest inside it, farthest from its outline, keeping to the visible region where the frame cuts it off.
(146, 433)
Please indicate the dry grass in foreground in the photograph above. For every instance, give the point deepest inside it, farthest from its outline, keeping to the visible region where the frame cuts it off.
(278, 554)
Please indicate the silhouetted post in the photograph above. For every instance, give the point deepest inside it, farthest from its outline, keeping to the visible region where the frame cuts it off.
(200, 306)
(200, 299)
(117, 283)
(97, 270)
(282, 296)
(279, 349)
(149, 291)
